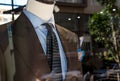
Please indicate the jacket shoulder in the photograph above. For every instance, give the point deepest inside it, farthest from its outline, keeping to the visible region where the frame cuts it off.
(71, 36)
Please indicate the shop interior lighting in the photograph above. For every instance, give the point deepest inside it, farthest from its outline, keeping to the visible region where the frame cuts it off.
(78, 17)
(69, 19)
(114, 9)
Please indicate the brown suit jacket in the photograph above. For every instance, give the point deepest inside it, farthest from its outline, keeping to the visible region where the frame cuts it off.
(30, 60)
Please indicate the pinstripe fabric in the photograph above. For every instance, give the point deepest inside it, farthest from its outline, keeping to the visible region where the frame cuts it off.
(53, 54)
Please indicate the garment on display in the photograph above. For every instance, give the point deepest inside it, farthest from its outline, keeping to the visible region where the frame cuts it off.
(30, 49)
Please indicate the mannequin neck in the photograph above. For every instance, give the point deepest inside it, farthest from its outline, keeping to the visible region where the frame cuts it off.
(42, 10)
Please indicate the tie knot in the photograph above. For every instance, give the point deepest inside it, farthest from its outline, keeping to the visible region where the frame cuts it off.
(49, 26)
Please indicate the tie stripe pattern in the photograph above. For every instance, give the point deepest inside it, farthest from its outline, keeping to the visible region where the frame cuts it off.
(53, 55)
(49, 53)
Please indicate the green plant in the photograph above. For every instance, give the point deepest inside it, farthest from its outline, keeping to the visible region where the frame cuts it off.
(104, 26)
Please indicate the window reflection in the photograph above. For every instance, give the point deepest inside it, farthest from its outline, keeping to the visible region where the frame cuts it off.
(75, 22)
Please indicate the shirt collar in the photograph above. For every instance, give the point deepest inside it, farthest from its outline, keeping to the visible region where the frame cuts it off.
(35, 20)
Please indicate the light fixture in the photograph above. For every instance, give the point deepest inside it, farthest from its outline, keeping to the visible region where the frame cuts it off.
(101, 12)
(69, 19)
(78, 17)
(114, 9)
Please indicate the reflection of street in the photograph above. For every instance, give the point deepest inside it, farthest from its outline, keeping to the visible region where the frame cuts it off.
(5, 18)
(112, 74)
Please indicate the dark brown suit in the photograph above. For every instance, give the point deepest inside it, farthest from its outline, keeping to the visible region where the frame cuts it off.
(30, 60)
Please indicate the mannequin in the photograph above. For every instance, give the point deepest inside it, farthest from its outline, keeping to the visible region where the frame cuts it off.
(29, 38)
(40, 9)
(30, 60)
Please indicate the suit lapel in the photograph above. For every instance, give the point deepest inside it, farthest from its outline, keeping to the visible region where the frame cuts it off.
(42, 61)
(32, 53)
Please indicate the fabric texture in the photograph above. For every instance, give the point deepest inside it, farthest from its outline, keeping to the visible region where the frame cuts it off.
(53, 54)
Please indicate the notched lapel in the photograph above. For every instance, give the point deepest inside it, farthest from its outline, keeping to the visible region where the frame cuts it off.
(28, 45)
